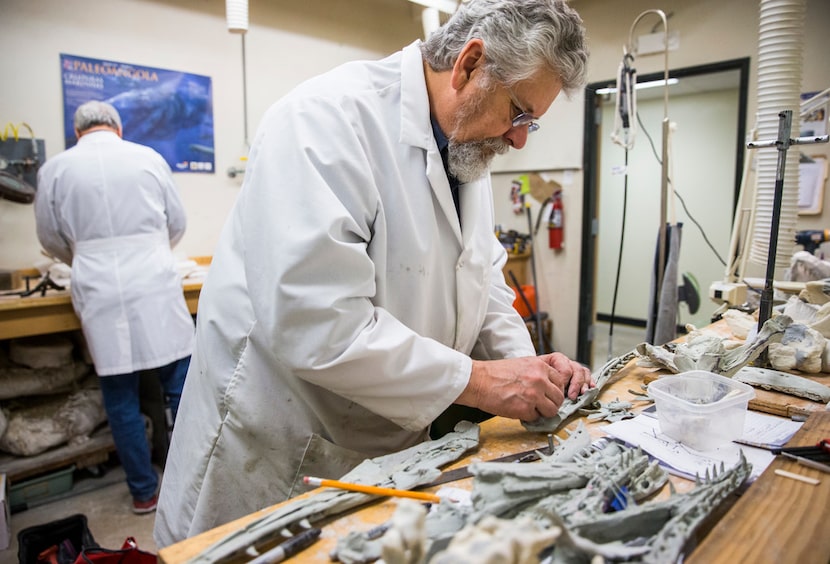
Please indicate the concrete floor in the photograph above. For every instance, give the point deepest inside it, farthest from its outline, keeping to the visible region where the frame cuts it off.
(104, 500)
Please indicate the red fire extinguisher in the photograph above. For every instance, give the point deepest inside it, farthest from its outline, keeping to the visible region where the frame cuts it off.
(556, 221)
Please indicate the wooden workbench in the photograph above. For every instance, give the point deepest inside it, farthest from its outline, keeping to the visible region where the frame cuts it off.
(501, 436)
(53, 312)
(778, 519)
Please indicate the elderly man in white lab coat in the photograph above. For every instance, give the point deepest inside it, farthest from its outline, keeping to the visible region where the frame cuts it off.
(353, 296)
(110, 208)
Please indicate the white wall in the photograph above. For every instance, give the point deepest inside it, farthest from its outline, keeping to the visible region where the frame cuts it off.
(287, 42)
(290, 41)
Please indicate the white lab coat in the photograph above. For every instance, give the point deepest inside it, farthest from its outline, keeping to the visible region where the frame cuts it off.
(343, 304)
(110, 208)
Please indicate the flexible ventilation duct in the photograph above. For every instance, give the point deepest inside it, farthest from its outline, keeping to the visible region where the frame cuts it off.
(779, 88)
(236, 12)
(430, 20)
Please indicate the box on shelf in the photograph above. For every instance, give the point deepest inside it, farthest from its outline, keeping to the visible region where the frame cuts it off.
(48, 485)
(701, 409)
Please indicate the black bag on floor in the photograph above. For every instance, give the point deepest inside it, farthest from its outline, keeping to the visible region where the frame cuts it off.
(66, 537)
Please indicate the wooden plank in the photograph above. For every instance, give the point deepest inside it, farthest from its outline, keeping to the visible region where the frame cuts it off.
(53, 313)
(778, 519)
(18, 468)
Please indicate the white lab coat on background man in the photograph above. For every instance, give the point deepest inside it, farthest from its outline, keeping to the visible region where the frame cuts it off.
(355, 328)
(110, 208)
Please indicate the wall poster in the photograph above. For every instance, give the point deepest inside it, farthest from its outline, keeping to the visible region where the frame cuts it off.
(170, 111)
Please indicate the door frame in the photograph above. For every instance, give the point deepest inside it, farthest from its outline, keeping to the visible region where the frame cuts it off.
(590, 194)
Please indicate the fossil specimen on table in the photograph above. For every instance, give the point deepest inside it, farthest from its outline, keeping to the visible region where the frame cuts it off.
(706, 351)
(612, 411)
(403, 470)
(594, 502)
(602, 377)
(791, 384)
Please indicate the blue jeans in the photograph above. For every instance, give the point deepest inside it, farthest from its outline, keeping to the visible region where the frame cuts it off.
(122, 404)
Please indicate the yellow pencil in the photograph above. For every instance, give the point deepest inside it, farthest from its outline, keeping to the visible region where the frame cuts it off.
(375, 490)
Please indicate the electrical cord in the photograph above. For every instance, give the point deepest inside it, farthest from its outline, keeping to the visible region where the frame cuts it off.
(679, 197)
(619, 263)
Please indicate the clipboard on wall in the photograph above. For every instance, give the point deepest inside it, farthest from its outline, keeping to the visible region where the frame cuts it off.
(812, 181)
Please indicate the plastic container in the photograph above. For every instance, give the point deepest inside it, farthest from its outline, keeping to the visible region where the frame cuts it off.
(701, 409)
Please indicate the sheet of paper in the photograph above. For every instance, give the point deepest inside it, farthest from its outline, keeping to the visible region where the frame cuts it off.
(760, 429)
(644, 431)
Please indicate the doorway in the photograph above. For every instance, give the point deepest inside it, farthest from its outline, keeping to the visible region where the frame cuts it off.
(622, 193)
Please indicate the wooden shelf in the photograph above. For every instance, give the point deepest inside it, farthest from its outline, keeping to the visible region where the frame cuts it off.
(89, 453)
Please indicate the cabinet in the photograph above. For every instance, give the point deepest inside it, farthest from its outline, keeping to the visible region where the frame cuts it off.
(518, 263)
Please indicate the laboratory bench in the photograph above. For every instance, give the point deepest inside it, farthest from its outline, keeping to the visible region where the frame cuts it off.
(53, 313)
(774, 520)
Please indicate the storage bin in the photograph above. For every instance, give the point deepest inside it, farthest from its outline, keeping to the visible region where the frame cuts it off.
(29, 491)
(701, 409)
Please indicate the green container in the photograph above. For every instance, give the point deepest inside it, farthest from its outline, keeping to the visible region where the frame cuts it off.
(42, 487)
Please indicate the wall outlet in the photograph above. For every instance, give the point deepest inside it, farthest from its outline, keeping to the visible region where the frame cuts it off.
(653, 43)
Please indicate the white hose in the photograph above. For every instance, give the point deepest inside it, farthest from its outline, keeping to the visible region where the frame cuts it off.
(779, 88)
(236, 12)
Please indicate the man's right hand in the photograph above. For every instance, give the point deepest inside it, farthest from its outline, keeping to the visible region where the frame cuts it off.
(525, 388)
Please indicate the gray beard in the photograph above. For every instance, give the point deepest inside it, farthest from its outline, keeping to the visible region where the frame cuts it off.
(471, 160)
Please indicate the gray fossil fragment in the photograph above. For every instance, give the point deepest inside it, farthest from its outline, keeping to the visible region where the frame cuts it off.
(706, 351)
(570, 495)
(602, 377)
(801, 348)
(791, 384)
(404, 470)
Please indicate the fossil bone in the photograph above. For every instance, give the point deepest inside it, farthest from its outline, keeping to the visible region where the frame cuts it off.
(495, 541)
(405, 469)
(801, 348)
(611, 411)
(791, 384)
(706, 351)
(602, 377)
(404, 541)
(570, 497)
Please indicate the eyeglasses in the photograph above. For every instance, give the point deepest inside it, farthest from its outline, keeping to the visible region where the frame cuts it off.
(523, 117)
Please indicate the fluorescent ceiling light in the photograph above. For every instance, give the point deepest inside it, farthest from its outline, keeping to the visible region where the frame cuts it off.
(641, 85)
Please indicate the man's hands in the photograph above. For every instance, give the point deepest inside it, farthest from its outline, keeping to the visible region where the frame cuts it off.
(525, 388)
(575, 376)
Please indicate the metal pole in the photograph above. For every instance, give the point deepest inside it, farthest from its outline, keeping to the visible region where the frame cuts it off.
(782, 143)
(785, 122)
(244, 92)
(536, 314)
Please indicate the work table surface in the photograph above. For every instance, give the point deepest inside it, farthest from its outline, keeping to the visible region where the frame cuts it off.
(794, 511)
(53, 312)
